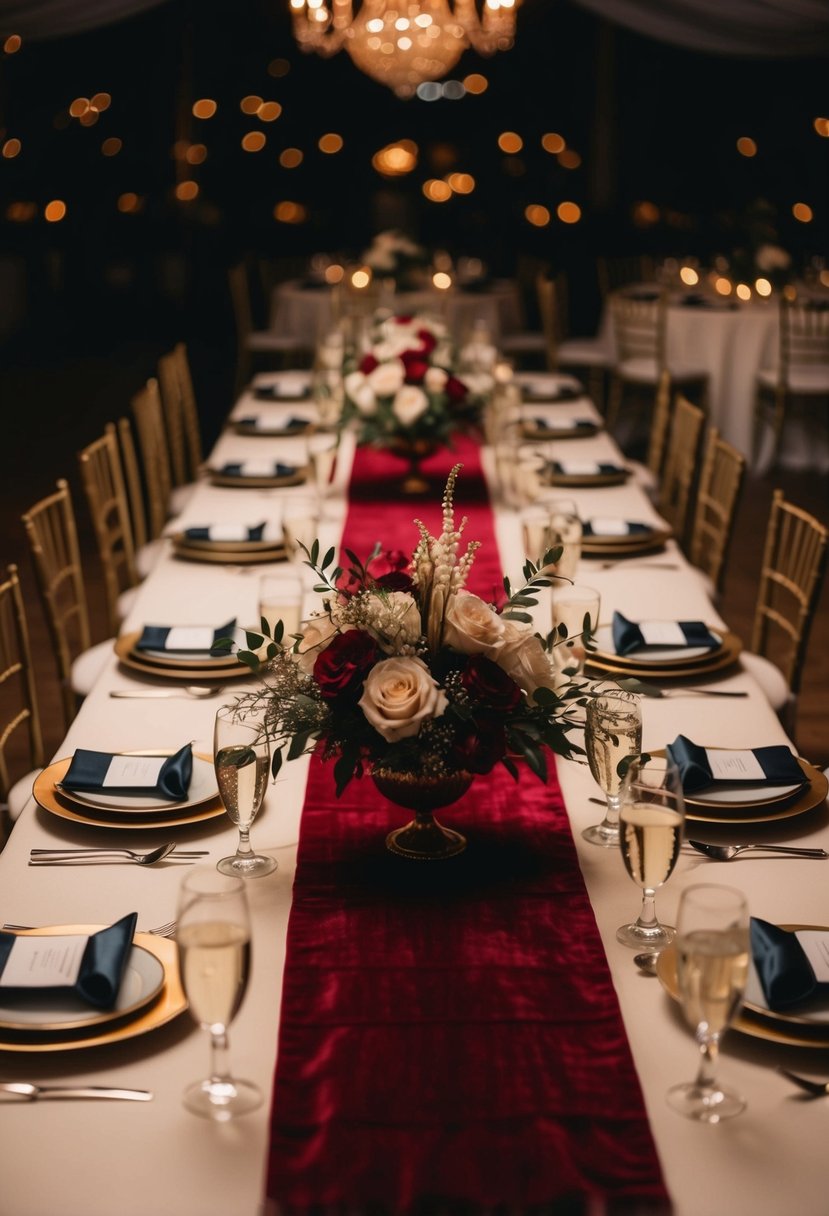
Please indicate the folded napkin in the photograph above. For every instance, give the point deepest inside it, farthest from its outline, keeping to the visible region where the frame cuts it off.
(197, 639)
(613, 527)
(283, 390)
(551, 391)
(585, 468)
(257, 468)
(226, 532)
(629, 636)
(563, 424)
(259, 423)
(786, 974)
(91, 967)
(701, 767)
(131, 776)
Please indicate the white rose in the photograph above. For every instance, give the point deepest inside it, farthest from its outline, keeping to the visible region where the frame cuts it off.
(398, 696)
(317, 633)
(409, 403)
(472, 627)
(524, 659)
(386, 378)
(395, 620)
(435, 379)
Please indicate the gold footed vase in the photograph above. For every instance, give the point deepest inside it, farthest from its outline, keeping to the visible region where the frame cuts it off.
(423, 839)
(413, 450)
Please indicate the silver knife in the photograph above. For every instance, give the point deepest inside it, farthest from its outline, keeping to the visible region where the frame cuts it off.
(21, 1091)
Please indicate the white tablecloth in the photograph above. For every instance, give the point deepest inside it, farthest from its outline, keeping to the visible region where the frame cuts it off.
(96, 1159)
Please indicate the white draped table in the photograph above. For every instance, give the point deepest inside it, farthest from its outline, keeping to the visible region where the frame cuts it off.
(97, 1159)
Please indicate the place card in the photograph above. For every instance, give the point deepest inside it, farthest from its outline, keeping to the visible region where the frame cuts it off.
(227, 532)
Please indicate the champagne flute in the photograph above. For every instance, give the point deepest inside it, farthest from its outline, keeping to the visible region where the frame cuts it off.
(240, 758)
(565, 529)
(612, 734)
(299, 527)
(322, 453)
(712, 950)
(575, 617)
(650, 832)
(280, 599)
(213, 936)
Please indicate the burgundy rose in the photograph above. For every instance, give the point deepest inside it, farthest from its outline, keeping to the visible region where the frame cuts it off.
(455, 389)
(416, 366)
(395, 580)
(489, 686)
(342, 667)
(403, 320)
(479, 746)
(428, 341)
(368, 363)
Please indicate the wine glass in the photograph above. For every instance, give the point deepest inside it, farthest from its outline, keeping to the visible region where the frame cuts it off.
(575, 617)
(240, 758)
(712, 950)
(613, 733)
(213, 938)
(650, 832)
(280, 599)
(565, 529)
(299, 527)
(322, 453)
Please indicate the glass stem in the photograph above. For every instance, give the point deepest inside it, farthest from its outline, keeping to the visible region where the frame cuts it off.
(708, 1053)
(243, 848)
(219, 1056)
(647, 916)
(614, 807)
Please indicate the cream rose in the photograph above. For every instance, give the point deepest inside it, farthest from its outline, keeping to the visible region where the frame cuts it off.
(317, 633)
(435, 379)
(472, 627)
(399, 695)
(524, 659)
(386, 378)
(410, 402)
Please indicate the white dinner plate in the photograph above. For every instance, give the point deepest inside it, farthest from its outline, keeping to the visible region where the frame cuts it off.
(746, 793)
(142, 982)
(654, 654)
(203, 787)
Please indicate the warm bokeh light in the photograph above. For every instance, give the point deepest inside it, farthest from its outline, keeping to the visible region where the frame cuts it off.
(186, 191)
(475, 83)
(803, 212)
(79, 107)
(21, 212)
(334, 273)
(461, 183)
(453, 90)
(396, 159)
(537, 215)
(762, 287)
(290, 158)
(111, 146)
(55, 211)
(746, 146)
(250, 104)
(360, 279)
(254, 141)
(11, 148)
(205, 107)
(288, 212)
(89, 118)
(437, 191)
(743, 291)
(824, 278)
(568, 212)
(331, 142)
(510, 141)
(269, 111)
(689, 276)
(278, 68)
(722, 286)
(196, 154)
(100, 102)
(11, 46)
(129, 203)
(822, 127)
(553, 143)
(645, 213)
(568, 159)
(441, 280)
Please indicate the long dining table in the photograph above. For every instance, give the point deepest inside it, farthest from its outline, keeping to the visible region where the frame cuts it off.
(100, 1158)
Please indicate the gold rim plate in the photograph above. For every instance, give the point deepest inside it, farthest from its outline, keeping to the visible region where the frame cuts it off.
(226, 557)
(588, 479)
(678, 658)
(727, 655)
(170, 1002)
(554, 433)
(650, 542)
(226, 546)
(771, 1027)
(176, 669)
(275, 432)
(742, 813)
(204, 776)
(298, 478)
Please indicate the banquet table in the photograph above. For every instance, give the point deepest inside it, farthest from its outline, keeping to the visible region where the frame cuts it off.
(94, 1159)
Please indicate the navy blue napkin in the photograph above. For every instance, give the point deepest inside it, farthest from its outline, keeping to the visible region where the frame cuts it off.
(102, 968)
(154, 637)
(254, 533)
(633, 529)
(602, 469)
(236, 469)
(779, 765)
(627, 635)
(88, 770)
(290, 424)
(270, 392)
(784, 971)
(576, 424)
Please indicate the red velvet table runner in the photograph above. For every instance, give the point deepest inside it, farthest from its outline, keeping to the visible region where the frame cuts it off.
(451, 1041)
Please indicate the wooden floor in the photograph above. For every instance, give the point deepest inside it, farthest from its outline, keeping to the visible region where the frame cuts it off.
(50, 413)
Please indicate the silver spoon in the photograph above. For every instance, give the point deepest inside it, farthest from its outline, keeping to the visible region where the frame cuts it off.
(24, 1092)
(725, 852)
(647, 962)
(127, 855)
(189, 690)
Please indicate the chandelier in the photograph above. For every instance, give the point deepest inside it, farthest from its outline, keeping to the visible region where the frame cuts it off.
(403, 43)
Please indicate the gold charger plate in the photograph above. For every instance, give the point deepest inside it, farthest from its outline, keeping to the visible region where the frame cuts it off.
(616, 478)
(622, 547)
(725, 656)
(225, 546)
(176, 669)
(763, 1027)
(48, 797)
(276, 432)
(814, 794)
(169, 1004)
(230, 557)
(553, 433)
(297, 478)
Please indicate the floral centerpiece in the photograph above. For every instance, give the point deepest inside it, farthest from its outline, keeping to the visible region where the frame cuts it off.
(406, 675)
(396, 256)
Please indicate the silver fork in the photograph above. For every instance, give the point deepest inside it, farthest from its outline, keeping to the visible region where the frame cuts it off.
(625, 561)
(818, 1089)
(168, 929)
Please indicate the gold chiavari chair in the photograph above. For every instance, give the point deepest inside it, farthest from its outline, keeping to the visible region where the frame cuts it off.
(53, 541)
(103, 482)
(680, 468)
(181, 414)
(18, 703)
(615, 273)
(718, 493)
(146, 551)
(794, 566)
(155, 456)
(660, 426)
(802, 371)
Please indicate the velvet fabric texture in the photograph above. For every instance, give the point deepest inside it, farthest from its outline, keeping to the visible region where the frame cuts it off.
(450, 1042)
